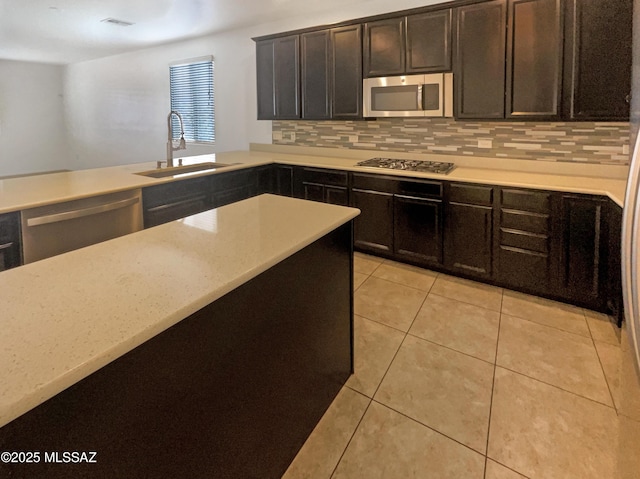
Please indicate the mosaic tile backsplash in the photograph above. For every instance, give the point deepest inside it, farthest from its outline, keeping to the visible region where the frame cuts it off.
(583, 142)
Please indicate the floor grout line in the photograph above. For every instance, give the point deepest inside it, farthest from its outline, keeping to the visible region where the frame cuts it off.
(413, 419)
(493, 387)
(556, 387)
(352, 435)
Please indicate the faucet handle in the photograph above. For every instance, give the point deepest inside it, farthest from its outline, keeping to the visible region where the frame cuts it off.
(179, 161)
(159, 163)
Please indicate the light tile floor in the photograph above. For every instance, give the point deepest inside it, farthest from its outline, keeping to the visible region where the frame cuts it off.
(457, 379)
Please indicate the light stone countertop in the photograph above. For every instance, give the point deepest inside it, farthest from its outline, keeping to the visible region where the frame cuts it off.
(27, 192)
(65, 317)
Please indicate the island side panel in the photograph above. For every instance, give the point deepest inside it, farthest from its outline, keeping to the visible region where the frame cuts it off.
(233, 390)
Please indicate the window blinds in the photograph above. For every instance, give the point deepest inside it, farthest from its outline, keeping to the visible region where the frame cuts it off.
(192, 96)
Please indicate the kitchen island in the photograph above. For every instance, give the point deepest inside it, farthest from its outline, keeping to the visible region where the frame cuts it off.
(209, 346)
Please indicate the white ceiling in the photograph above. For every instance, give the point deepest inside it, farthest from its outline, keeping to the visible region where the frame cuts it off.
(69, 31)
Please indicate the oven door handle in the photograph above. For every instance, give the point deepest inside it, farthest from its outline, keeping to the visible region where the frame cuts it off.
(82, 212)
(420, 97)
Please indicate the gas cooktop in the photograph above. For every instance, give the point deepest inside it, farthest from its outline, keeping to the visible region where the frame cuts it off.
(409, 165)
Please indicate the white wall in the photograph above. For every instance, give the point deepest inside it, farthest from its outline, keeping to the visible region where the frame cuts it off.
(116, 107)
(32, 127)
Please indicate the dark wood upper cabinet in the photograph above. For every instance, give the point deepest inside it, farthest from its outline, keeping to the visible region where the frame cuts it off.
(278, 78)
(384, 49)
(479, 72)
(419, 43)
(315, 55)
(597, 59)
(346, 82)
(428, 42)
(534, 59)
(265, 80)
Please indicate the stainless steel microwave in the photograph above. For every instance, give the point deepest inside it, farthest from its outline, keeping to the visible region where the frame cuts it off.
(409, 95)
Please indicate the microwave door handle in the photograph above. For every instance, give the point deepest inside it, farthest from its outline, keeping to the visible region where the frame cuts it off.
(420, 98)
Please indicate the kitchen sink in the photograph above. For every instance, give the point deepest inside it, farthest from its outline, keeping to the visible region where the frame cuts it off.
(182, 170)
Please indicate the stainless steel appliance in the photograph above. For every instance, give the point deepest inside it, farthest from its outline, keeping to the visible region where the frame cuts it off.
(409, 95)
(55, 229)
(409, 165)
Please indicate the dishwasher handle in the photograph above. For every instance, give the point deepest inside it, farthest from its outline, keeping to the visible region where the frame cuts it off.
(82, 212)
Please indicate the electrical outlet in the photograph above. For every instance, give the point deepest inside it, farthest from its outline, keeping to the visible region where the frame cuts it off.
(277, 135)
(353, 138)
(625, 149)
(292, 136)
(485, 144)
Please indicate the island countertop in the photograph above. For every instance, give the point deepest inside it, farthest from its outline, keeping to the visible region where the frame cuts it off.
(31, 191)
(67, 316)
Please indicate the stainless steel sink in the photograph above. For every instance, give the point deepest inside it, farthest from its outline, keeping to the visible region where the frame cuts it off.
(181, 170)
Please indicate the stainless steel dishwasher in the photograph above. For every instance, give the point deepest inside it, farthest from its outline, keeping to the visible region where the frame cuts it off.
(55, 229)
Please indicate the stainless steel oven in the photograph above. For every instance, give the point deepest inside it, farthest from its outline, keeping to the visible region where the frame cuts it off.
(409, 95)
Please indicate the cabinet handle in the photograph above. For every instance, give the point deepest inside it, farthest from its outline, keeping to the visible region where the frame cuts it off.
(6, 245)
(82, 212)
(177, 203)
(628, 98)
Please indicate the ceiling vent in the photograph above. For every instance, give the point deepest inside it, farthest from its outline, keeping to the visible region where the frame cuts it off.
(115, 21)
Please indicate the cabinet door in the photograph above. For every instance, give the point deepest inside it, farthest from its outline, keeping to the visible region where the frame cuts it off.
(614, 273)
(417, 234)
(278, 78)
(468, 233)
(336, 195)
(315, 54)
(384, 47)
(373, 228)
(265, 178)
(10, 249)
(313, 191)
(534, 59)
(428, 45)
(265, 79)
(346, 82)
(582, 222)
(283, 184)
(287, 78)
(598, 59)
(480, 60)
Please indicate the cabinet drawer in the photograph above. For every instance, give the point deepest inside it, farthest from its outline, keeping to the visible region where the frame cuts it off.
(325, 177)
(525, 269)
(534, 201)
(522, 220)
(471, 194)
(524, 240)
(386, 184)
(420, 188)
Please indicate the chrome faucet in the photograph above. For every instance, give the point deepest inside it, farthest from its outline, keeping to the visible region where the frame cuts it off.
(182, 145)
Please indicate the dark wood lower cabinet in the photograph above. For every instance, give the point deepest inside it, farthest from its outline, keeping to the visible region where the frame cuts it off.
(527, 258)
(615, 304)
(232, 391)
(10, 244)
(172, 201)
(417, 232)
(583, 245)
(283, 181)
(468, 239)
(373, 229)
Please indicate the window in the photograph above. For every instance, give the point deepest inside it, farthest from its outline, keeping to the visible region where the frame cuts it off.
(192, 96)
